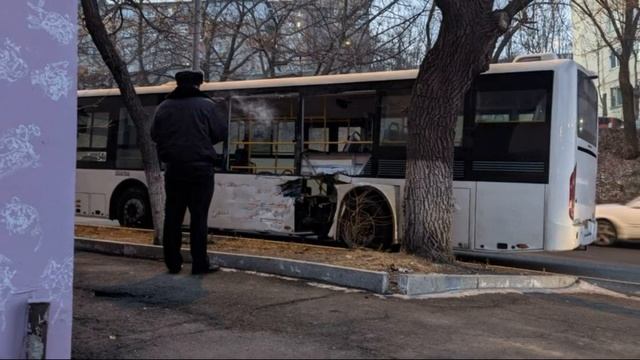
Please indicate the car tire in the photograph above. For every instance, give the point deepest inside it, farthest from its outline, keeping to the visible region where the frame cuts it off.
(607, 234)
(134, 209)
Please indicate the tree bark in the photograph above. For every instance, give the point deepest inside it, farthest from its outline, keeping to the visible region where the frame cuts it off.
(468, 34)
(133, 104)
(628, 110)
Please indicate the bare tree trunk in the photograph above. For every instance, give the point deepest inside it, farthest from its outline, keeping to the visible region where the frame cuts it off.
(432, 12)
(628, 110)
(601, 94)
(636, 91)
(444, 77)
(143, 78)
(140, 118)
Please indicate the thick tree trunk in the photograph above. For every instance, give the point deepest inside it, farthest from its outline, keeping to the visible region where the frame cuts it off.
(462, 51)
(628, 110)
(140, 118)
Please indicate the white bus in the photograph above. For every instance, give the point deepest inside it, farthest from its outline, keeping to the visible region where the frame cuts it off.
(325, 156)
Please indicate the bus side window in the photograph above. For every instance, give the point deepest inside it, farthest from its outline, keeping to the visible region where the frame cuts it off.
(393, 126)
(93, 129)
(262, 134)
(512, 106)
(395, 112)
(128, 154)
(587, 110)
(339, 123)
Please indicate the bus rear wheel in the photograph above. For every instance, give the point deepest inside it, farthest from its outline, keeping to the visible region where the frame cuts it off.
(366, 220)
(134, 209)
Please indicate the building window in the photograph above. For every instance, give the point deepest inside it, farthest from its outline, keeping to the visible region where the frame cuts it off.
(616, 97)
(613, 60)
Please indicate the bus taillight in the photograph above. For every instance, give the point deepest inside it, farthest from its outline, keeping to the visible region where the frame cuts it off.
(572, 193)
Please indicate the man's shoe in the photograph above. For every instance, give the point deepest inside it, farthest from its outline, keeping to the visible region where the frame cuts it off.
(175, 270)
(212, 268)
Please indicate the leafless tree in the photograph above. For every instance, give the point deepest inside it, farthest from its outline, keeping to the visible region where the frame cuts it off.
(118, 69)
(265, 38)
(153, 39)
(227, 35)
(543, 27)
(360, 35)
(616, 23)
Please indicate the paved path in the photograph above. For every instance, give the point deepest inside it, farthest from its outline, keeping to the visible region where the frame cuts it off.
(130, 308)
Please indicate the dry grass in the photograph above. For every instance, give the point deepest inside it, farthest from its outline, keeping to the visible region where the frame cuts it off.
(356, 258)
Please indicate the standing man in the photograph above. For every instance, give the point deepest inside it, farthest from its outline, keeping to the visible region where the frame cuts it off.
(186, 126)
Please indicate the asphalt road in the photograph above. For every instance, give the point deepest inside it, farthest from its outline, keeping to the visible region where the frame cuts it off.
(616, 268)
(130, 308)
(620, 254)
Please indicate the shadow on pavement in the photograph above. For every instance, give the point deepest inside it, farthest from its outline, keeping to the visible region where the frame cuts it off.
(165, 289)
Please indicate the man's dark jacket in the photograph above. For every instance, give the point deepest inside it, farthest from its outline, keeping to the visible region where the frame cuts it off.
(186, 125)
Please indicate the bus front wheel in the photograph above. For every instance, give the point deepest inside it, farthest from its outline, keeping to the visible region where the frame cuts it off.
(134, 209)
(366, 220)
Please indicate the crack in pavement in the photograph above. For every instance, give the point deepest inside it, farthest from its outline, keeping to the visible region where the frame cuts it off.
(291, 302)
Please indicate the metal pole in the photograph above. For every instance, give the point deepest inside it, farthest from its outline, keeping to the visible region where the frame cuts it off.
(196, 36)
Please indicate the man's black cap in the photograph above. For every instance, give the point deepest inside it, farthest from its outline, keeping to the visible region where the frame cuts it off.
(189, 78)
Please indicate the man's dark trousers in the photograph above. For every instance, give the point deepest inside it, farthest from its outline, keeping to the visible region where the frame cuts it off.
(187, 186)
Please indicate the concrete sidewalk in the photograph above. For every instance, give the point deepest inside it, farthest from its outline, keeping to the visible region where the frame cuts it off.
(130, 308)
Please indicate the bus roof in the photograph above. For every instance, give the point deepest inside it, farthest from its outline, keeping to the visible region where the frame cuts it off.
(329, 79)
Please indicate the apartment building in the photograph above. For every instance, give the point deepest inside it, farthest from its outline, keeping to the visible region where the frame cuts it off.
(592, 52)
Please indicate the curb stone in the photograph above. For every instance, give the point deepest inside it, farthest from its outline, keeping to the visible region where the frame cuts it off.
(374, 281)
(423, 284)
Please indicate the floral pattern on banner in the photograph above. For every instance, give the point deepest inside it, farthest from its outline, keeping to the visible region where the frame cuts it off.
(54, 79)
(12, 66)
(16, 150)
(57, 25)
(58, 280)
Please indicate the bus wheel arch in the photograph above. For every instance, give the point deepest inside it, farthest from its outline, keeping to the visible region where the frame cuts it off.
(366, 219)
(130, 205)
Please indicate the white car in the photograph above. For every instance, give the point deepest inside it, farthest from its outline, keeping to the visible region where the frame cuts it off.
(618, 222)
